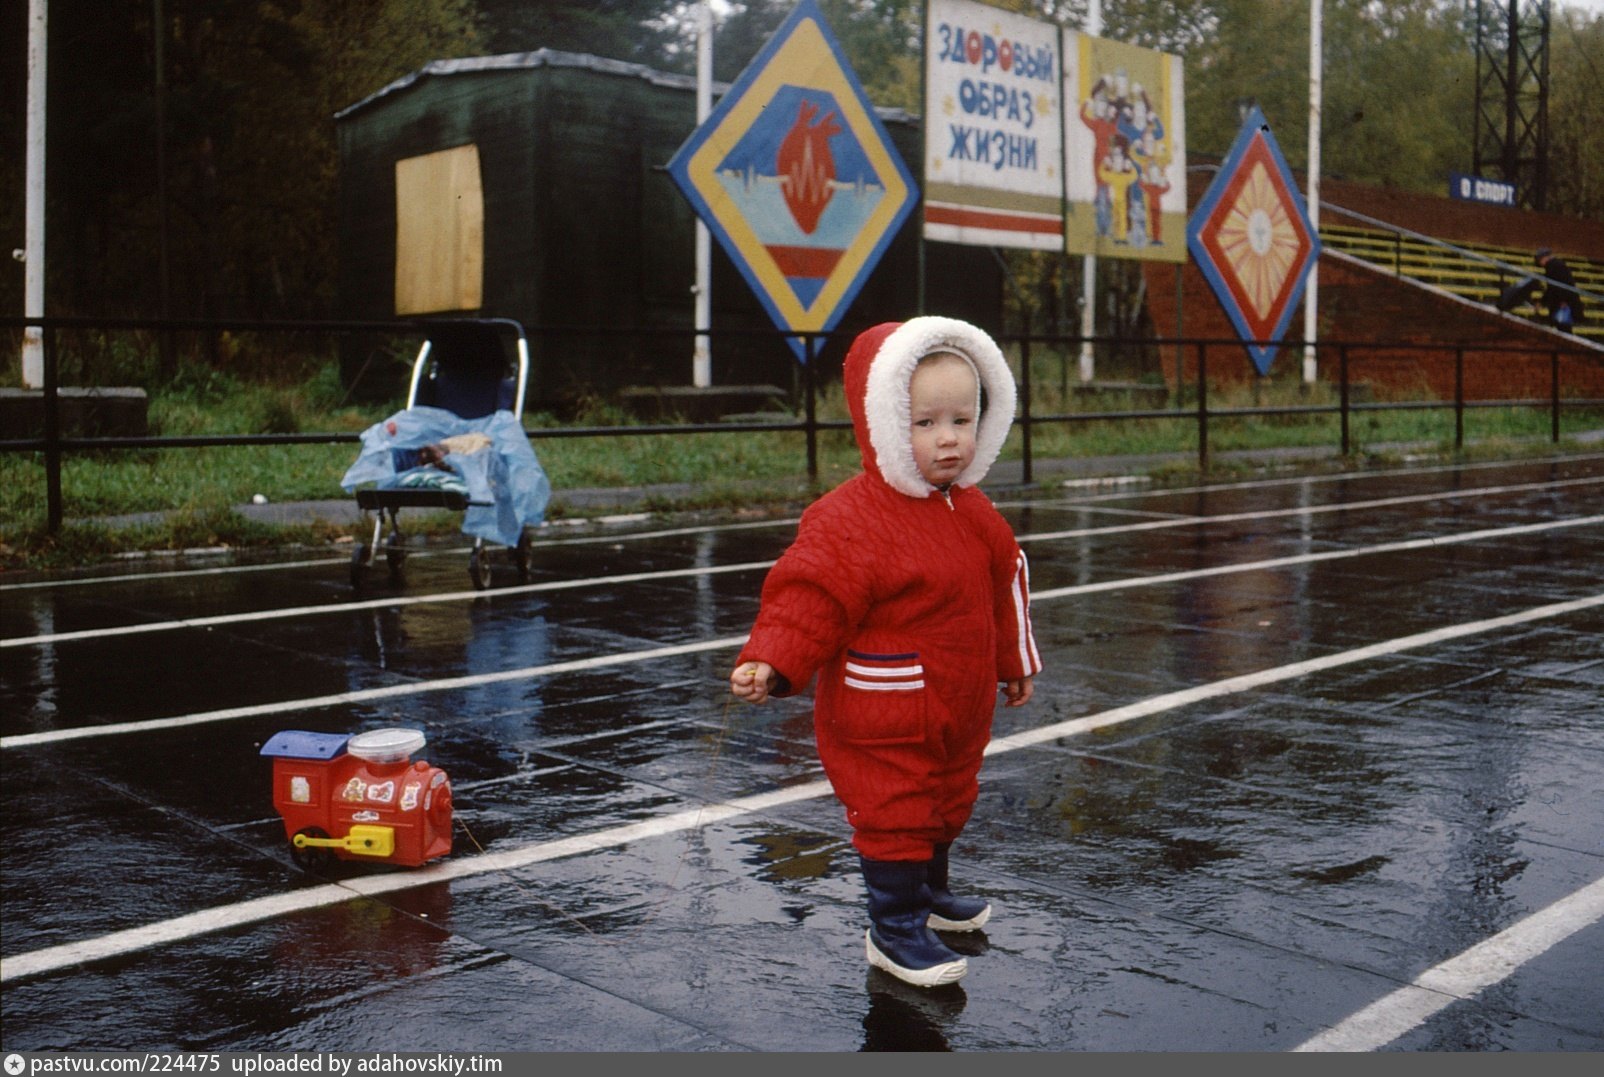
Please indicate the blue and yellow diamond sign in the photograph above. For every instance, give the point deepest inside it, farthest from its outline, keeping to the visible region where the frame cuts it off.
(796, 177)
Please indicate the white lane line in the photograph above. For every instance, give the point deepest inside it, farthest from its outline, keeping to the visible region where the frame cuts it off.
(1463, 977)
(255, 910)
(410, 688)
(50, 958)
(1408, 472)
(524, 589)
(1277, 674)
(392, 602)
(32, 585)
(365, 695)
(1294, 480)
(541, 540)
(669, 532)
(1303, 510)
(1312, 558)
(1115, 510)
(1255, 484)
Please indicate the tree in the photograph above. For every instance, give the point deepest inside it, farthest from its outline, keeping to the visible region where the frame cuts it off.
(647, 32)
(251, 88)
(1576, 114)
(880, 38)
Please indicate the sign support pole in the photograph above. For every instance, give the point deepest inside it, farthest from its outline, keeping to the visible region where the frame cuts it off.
(1311, 295)
(702, 359)
(33, 252)
(1088, 286)
(924, 149)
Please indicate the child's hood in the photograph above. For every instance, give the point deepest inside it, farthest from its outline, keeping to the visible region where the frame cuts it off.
(878, 369)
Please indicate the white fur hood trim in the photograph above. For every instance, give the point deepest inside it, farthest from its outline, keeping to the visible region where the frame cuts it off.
(886, 408)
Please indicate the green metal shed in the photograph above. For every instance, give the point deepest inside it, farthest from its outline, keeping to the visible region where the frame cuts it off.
(583, 231)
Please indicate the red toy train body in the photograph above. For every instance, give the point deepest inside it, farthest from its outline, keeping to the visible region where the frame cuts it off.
(359, 798)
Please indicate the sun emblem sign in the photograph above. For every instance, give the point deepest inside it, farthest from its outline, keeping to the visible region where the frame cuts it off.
(1252, 238)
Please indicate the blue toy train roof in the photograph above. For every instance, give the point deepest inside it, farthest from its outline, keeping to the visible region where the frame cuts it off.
(301, 744)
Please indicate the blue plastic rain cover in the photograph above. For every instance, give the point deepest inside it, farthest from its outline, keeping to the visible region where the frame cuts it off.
(506, 486)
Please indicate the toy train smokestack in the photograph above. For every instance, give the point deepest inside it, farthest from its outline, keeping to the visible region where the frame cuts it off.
(359, 798)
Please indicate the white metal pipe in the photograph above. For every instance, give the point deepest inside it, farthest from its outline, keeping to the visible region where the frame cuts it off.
(523, 375)
(33, 253)
(417, 372)
(1311, 289)
(1088, 289)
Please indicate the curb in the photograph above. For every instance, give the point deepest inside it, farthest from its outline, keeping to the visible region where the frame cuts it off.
(605, 504)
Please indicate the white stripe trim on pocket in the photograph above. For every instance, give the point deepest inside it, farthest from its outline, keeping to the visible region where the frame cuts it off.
(884, 686)
(915, 670)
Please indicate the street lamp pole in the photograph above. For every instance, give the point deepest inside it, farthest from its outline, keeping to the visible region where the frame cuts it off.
(33, 249)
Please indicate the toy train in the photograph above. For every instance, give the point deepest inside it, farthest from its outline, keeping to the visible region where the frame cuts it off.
(359, 797)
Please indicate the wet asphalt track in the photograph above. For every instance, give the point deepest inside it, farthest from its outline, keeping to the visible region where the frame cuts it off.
(1315, 763)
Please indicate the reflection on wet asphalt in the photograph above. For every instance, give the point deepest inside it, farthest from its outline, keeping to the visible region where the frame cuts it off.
(1298, 743)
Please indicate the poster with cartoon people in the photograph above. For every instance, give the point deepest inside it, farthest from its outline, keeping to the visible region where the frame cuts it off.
(1124, 150)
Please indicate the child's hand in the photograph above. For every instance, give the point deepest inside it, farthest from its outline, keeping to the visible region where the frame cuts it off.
(1018, 692)
(752, 681)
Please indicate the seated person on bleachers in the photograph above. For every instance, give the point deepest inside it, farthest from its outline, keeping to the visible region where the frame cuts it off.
(1560, 298)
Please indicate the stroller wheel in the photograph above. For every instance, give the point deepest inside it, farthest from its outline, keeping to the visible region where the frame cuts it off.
(479, 567)
(359, 565)
(395, 554)
(520, 557)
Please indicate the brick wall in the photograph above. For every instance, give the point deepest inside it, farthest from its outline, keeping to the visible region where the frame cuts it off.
(1453, 220)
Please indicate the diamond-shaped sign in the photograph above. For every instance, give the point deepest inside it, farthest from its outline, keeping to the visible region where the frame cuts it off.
(796, 177)
(1252, 238)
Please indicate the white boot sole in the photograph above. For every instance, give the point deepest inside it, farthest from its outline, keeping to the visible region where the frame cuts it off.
(934, 976)
(974, 923)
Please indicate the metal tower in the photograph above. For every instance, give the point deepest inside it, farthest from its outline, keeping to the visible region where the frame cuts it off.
(1511, 138)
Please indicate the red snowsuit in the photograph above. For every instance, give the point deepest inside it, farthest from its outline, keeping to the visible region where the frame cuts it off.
(910, 603)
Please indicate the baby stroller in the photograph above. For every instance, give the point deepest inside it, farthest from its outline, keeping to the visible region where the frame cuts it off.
(459, 446)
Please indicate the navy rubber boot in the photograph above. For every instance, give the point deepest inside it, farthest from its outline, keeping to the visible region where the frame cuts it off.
(948, 912)
(899, 940)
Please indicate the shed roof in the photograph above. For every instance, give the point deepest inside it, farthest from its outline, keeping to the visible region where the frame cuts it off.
(519, 61)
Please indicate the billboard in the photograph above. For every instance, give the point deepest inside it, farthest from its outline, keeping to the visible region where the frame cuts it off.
(993, 170)
(1124, 150)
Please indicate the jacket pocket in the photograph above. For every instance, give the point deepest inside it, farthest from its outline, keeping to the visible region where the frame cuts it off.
(883, 699)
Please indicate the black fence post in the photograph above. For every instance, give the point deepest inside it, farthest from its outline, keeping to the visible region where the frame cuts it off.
(1025, 470)
(1342, 381)
(1553, 391)
(1459, 399)
(52, 402)
(1202, 407)
(809, 384)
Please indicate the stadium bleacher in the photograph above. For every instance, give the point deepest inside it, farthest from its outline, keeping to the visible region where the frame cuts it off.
(1478, 272)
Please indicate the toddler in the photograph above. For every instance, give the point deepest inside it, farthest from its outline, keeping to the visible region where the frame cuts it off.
(907, 594)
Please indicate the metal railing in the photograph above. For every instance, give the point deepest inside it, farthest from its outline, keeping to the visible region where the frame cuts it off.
(54, 445)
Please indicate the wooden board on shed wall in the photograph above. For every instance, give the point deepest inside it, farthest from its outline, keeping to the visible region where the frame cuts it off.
(439, 232)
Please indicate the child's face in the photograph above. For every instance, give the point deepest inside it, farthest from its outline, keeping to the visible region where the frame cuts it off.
(942, 404)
